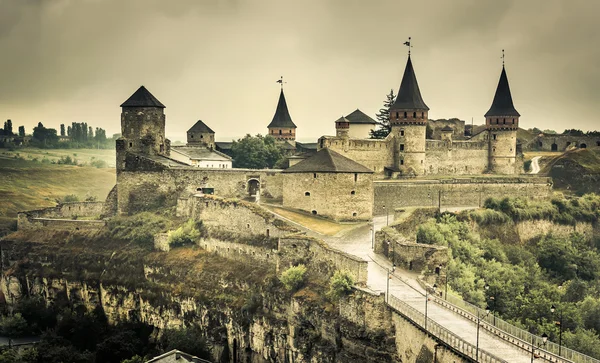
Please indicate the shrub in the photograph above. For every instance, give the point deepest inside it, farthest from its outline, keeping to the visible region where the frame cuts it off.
(293, 277)
(98, 163)
(340, 284)
(13, 325)
(139, 228)
(428, 233)
(185, 234)
(70, 198)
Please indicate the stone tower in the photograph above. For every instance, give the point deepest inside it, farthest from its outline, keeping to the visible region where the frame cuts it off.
(408, 118)
(502, 122)
(342, 126)
(142, 127)
(201, 135)
(282, 128)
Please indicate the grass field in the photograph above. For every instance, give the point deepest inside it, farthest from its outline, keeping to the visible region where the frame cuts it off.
(27, 185)
(83, 156)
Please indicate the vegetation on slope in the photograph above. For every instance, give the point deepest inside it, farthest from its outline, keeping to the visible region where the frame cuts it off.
(576, 171)
(27, 185)
(525, 280)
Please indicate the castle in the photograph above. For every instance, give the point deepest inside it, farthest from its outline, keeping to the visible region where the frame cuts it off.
(340, 177)
(407, 152)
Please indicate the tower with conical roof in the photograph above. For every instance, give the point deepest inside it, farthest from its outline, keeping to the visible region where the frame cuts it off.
(282, 128)
(142, 127)
(408, 119)
(502, 122)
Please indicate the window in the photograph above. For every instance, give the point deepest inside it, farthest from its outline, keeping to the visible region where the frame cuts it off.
(513, 121)
(353, 192)
(315, 175)
(422, 114)
(401, 161)
(354, 214)
(401, 147)
(504, 121)
(355, 177)
(290, 131)
(131, 144)
(202, 136)
(497, 121)
(279, 132)
(191, 136)
(314, 212)
(494, 135)
(307, 194)
(414, 115)
(597, 143)
(397, 114)
(401, 132)
(405, 115)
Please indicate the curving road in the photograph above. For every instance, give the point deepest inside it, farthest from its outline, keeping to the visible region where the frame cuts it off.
(535, 165)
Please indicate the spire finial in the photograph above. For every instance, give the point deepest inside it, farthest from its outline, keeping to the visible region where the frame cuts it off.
(502, 58)
(408, 45)
(280, 81)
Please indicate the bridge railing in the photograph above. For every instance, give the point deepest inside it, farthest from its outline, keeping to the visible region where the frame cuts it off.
(496, 324)
(441, 333)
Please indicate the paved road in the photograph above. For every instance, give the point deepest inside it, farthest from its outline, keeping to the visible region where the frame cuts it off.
(358, 242)
(535, 165)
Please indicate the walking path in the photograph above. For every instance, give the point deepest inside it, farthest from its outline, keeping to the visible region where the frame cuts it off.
(535, 165)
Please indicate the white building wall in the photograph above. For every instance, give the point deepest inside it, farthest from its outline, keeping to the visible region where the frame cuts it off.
(360, 131)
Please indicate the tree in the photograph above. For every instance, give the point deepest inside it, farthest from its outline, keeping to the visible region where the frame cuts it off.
(256, 152)
(188, 340)
(8, 128)
(293, 277)
(44, 136)
(22, 131)
(62, 129)
(69, 131)
(383, 118)
(90, 133)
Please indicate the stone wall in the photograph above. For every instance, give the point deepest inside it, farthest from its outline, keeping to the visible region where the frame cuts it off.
(409, 254)
(463, 192)
(339, 196)
(374, 154)
(232, 216)
(63, 211)
(458, 128)
(529, 230)
(68, 224)
(456, 157)
(144, 190)
(549, 142)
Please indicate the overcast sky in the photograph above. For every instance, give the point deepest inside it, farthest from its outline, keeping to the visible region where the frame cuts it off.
(63, 61)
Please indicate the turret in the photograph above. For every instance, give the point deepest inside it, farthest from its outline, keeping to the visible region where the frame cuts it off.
(408, 118)
(502, 122)
(446, 133)
(201, 135)
(281, 127)
(342, 126)
(142, 127)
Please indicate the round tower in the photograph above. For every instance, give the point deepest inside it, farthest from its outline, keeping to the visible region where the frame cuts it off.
(408, 119)
(282, 128)
(502, 122)
(342, 127)
(142, 127)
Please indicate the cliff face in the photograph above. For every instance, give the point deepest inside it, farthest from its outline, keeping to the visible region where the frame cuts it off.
(242, 308)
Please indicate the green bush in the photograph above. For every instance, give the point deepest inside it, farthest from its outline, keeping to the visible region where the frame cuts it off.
(98, 163)
(13, 325)
(340, 284)
(293, 277)
(139, 228)
(184, 235)
(70, 198)
(429, 234)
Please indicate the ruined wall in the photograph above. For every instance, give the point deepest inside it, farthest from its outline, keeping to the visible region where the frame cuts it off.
(144, 190)
(464, 192)
(63, 211)
(409, 254)
(457, 157)
(529, 230)
(549, 142)
(458, 128)
(374, 154)
(339, 196)
(232, 216)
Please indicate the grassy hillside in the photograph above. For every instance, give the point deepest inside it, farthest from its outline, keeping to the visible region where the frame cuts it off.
(26, 185)
(83, 156)
(576, 171)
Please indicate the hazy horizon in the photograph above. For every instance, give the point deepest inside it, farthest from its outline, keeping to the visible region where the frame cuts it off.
(76, 61)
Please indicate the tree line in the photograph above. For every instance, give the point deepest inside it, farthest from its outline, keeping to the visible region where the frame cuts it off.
(78, 135)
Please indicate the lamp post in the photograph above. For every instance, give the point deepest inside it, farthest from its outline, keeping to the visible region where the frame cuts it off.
(559, 323)
(544, 340)
(493, 299)
(372, 230)
(487, 311)
(427, 299)
(387, 216)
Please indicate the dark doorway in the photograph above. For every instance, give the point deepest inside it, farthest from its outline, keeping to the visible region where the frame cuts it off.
(235, 351)
(253, 187)
(583, 146)
(554, 147)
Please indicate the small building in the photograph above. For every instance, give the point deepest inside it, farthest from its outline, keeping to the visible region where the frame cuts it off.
(201, 135)
(329, 185)
(201, 157)
(177, 356)
(360, 125)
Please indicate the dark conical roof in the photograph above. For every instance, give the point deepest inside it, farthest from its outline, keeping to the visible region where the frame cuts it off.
(200, 126)
(409, 95)
(503, 103)
(359, 117)
(447, 128)
(142, 98)
(282, 115)
(328, 161)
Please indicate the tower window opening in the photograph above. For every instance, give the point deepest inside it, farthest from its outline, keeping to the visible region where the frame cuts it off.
(422, 114)
(131, 144)
(494, 135)
(290, 131)
(192, 136)
(201, 136)
(401, 147)
(353, 192)
(397, 114)
(401, 161)
(307, 194)
(354, 214)
(279, 132)
(401, 132)
(414, 115)
(504, 121)
(315, 175)
(355, 177)
(497, 121)
(513, 121)
(404, 114)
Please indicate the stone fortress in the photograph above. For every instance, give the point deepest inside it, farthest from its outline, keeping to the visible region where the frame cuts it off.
(407, 152)
(343, 177)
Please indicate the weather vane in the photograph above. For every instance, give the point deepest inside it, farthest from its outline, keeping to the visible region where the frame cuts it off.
(502, 57)
(280, 81)
(408, 45)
